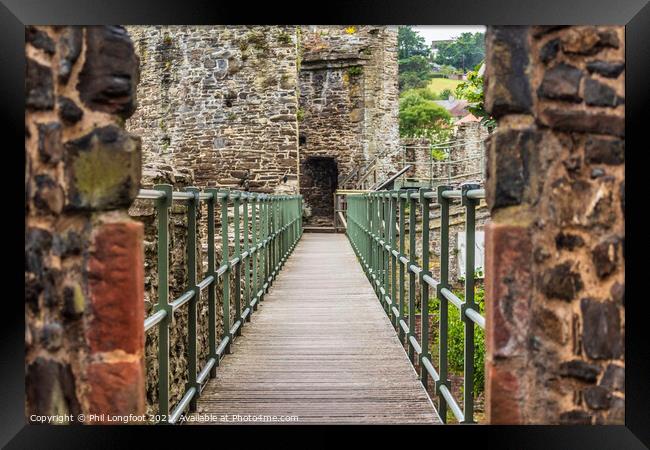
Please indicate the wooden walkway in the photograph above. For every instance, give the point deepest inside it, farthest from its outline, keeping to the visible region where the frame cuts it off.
(320, 348)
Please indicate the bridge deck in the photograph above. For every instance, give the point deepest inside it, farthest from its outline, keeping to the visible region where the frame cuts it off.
(321, 348)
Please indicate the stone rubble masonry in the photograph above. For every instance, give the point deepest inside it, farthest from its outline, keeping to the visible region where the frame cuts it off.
(247, 106)
(221, 101)
(84, 333)
(555, 267)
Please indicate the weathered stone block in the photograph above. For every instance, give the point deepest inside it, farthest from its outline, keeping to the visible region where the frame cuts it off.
(48, 197)
(510, 155)
(561, 282)
(606, 256)
(50, 147)
(103, 169)
(580, 369)
(609, 69)
(575, 417)
(597, 397)
(503, 394)
(50, 388)
(584, 121)
(549, 51)
(39, 39)
(614, 378)
(116, 288)
(69, 49)
(110, 73)
(561, 82)
(52, 336)
(600, 94)
(74, 302)
(568, 241)
(588, 40)
(604, 150)
(507, 88)
(601, 329)
(69, 112)
(39, 92)
(508, 255)
(116, 388)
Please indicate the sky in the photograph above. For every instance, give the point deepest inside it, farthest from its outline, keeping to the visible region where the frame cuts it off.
(440, 32)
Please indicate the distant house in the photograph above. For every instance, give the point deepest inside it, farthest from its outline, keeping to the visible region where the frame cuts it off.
(456, 107)
(435, 44)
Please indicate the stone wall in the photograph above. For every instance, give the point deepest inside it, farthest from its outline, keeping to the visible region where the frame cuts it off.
(555, 264)
(83, 255)
(348, 99)
(222, 101)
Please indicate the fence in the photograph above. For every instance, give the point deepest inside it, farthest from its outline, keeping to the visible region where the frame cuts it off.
(377, 231)
(275, 228)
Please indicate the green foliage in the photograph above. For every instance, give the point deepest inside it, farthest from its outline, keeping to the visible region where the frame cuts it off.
(300, 114)
(414, 72)
(284, 38)
(445, 94)
(456, 339)
(464, 52)
(439, 154)
(355, 71)
(410, 43)
(472, 91)
(420, 116)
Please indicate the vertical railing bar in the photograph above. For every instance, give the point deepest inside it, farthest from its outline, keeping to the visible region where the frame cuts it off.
(212, 298)
(162, 209)
(402, 242)
(226, 276)
(424, 287)
(237, 255)
(412, 260)
(443, 321)
(470, 224)
(192, 354)
(247, 263)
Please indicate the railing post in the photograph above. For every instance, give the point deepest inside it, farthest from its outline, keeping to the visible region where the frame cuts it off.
(212, 298)
(247, 264)
(412, 260)
(192, 354)
(224, 194)
(237, 256)
(402, 242)
(162, 209)
(424, 287)
(393, 258)
(470, 224)
(384, 253)
(444, 303)
(255, 208)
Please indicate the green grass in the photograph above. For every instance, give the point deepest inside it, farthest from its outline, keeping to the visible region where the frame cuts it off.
(438, 85)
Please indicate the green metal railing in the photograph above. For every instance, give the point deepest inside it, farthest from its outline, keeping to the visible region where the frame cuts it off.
(374, 221)
(273, 232)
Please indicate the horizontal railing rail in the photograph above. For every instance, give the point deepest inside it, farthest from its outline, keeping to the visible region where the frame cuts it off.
(374, 221)
(261, 247)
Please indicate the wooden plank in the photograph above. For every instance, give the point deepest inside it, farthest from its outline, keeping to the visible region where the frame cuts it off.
(319, 350)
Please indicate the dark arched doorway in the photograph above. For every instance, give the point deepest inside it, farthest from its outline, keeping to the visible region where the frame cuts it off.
(318, 182)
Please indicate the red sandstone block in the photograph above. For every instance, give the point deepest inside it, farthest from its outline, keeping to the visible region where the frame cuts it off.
(116, 286)
(116, 388)
(503, 395)
(508, 286)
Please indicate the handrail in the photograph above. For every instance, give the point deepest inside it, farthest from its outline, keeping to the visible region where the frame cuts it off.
(373, 221)
(269, 234)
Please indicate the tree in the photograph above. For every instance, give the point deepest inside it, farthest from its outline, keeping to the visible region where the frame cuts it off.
(420, 116)
(410, 43)
(414, 72)
(472, 91)
(464, 52)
